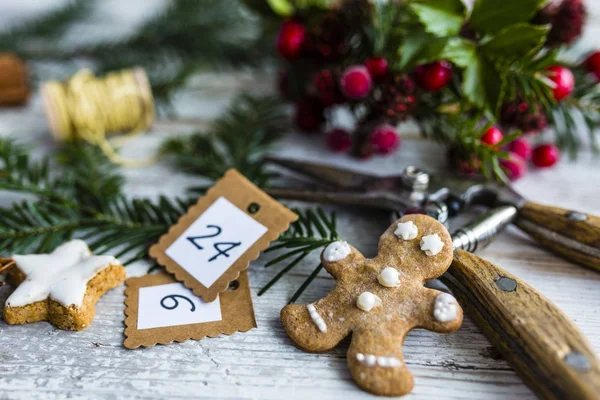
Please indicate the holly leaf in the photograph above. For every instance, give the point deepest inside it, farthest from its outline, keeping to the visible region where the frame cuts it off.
(440, 17)
(281, 7)
(459, 51)
(483, 84)
(515, 42)
(489, 17)
(420, 47)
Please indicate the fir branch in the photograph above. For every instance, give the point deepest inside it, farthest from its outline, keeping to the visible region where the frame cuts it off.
(48, 26)
(236, 140)
(313, 231)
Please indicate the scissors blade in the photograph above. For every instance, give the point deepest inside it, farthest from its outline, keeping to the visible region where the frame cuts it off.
(334, 176)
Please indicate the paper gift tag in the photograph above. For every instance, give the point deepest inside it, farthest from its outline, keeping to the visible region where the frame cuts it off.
(161, 310)
(219, 236)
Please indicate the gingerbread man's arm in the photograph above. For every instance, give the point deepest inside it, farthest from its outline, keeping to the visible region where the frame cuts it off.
(438, 312)
(318, 326)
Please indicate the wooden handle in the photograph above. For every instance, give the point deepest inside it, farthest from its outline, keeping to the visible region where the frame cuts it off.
(572, 235)
(544, 347)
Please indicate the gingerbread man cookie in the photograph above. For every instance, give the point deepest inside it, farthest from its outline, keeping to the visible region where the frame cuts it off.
(61, 287)
(379, 301)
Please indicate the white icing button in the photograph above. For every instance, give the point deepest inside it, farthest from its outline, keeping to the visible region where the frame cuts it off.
(445, 308)
(337, 251)
(432, 244)
(360, 357)
(370, 360)
(406, 230)
(314, 315)
(389, 277)
(367, 300)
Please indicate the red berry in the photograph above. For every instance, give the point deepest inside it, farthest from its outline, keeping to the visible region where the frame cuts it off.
(378, 67)
(339, 140)
(290, 39)
(327, 88)
(309, 114)
(564, 81)
(545, 155)
(521, 147)
(356, 82)
(592, 63)
(492, 136)
(385, 139)
(514, 167)
(433, 76)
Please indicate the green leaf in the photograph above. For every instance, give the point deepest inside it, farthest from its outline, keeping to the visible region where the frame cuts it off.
(440, 17)
(281, 7)
(515, 42)
(489, 16)
(420, 47)
(461, 52)
(483, 85)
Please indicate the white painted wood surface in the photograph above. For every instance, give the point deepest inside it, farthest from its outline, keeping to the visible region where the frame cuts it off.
(39, 361)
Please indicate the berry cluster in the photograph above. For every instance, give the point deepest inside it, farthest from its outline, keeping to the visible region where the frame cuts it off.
(385, 98)
(333, 65)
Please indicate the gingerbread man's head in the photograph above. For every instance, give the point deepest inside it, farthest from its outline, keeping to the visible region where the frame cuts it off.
(379, 301)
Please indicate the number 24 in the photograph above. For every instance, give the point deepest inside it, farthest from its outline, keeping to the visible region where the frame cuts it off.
(219, 246)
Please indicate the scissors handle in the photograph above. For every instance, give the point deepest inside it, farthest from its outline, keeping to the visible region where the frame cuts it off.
(573, 235)
(535, 337)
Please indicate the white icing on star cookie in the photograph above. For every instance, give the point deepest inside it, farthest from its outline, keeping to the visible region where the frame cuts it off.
(337, 251)
(316, 317)
(61, 275)
(406, 230)
(432, 244)
(389, 277)
(371, 360)
(445, 308)
(367, 301)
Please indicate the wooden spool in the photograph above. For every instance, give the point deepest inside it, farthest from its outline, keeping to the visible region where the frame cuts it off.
(58, 116)
(14, 89)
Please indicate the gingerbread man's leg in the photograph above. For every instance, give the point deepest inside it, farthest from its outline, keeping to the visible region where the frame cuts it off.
(439, 312)
(376, 362)
(318, 326)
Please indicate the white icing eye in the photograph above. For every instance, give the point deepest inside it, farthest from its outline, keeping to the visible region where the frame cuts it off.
(337, 251)
(360, 357)
(445, 308)
(367, 301)
(432, 244)
(406, 230)
(389, 277)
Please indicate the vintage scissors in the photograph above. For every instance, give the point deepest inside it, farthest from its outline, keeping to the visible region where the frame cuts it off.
(543, 345)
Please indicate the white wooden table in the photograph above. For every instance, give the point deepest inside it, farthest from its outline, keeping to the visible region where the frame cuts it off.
(39, 361)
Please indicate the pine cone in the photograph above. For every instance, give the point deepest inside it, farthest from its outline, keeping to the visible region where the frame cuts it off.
(567, 18)
(398, 99)
(523, 116)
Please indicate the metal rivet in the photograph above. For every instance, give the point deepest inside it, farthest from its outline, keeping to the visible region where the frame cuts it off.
(253, 208)
(577, 216)
(507, 284)
(578, 361)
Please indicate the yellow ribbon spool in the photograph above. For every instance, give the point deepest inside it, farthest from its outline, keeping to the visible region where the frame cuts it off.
(89, 108)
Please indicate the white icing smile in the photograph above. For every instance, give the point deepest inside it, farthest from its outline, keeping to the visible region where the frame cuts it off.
(316, 317)
(337, 251)
(445, 308)
(389, 277)
(406, 230)
(432, 244)
(367, 301)
(61, 275)
(372, 360)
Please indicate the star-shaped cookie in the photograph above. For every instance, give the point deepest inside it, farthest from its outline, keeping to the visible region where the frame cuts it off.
(61, 287)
